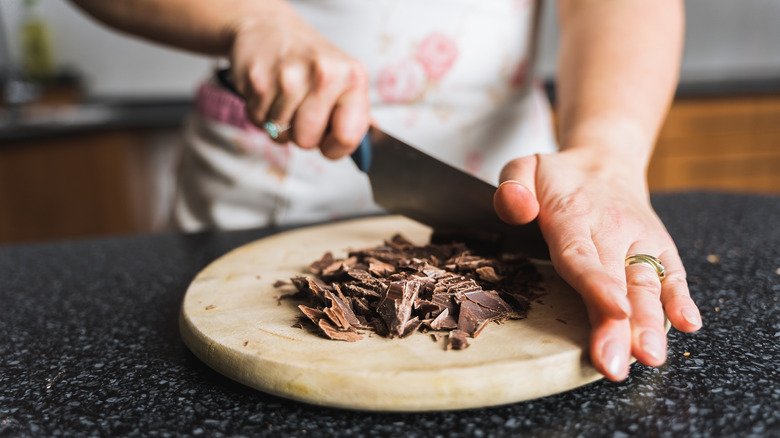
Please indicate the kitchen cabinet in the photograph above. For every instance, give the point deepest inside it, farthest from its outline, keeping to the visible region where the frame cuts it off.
(105, 182)
(727, 143)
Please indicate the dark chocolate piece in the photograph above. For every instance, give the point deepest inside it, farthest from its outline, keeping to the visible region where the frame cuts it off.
(457, 340)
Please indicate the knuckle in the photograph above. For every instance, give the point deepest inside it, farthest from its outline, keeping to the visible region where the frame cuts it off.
(291, 78)
(358, 75)
(324, 72)
(304, 139)
(576, 249)
(678, 285)
(646, 282)
(573, 204)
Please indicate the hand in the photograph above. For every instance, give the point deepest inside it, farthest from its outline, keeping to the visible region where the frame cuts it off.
(593, 213)
(291, 75)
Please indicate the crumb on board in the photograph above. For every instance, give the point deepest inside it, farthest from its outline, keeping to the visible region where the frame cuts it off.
(280, 283)
(246, 343)
(560, 320)
(257, 277)
(211, 306)
(713, 258)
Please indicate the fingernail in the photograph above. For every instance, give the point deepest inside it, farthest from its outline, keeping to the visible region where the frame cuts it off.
(615, 359)
(691, 315)
(511, 181)
(653, 344)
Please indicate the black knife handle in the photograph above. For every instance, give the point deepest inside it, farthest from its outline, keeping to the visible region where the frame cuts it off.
(361, 156)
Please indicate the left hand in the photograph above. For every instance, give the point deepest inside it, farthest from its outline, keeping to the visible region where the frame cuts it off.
(593, 212)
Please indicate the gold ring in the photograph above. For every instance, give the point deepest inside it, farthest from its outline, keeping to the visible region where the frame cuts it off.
(644, 259)
(274, 129)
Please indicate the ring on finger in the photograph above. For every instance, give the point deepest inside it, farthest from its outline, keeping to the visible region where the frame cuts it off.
(645, 259)
(275, 129)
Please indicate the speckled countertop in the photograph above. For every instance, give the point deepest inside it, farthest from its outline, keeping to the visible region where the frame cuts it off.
(89, 346)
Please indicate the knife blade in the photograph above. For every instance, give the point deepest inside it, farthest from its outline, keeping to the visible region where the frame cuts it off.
(407, 181)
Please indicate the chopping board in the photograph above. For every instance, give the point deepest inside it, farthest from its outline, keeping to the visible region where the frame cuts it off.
(232, 319)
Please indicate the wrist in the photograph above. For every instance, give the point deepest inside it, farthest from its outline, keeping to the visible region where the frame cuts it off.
(609, 145)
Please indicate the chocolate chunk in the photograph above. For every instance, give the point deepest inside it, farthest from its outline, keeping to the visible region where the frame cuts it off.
(457, 340)
(379, 268)
(326, 260)
(313, 288)
(340, 335)
(473, 317)
(396, 306)
(444, 321)
(488, 273)
(315, 315)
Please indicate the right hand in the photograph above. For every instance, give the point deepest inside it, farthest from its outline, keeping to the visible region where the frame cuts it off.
(289, 74)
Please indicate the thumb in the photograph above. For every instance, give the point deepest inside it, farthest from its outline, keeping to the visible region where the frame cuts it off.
(515, 199)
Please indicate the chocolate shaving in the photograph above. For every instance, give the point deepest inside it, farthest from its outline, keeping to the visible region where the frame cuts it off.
(398, 289)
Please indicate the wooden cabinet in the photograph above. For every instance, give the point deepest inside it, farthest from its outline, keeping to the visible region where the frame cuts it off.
(76, 185)
(723, 143)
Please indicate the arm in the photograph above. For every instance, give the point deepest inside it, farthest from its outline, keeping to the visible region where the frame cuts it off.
(617, 73)
(286, 71)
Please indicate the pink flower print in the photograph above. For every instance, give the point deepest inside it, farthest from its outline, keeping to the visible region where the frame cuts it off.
(474, 160)
(520, 75)
(519, 5)
(437, 53)
(402, 82)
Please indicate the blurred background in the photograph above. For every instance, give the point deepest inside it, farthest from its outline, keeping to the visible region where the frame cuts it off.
(90, 119)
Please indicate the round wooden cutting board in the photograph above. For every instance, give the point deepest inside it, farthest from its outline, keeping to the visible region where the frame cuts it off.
(231, 319)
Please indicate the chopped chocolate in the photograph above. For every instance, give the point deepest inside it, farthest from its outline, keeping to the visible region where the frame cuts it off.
(379, 268)
(398, 289)
(457, 340)
(488, 273)
(336, 334)
(280, 283)
(326, 260)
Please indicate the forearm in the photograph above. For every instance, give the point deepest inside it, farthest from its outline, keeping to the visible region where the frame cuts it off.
(618, 68)
(203, 26)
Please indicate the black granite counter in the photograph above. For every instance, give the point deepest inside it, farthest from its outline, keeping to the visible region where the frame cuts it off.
(89, 346)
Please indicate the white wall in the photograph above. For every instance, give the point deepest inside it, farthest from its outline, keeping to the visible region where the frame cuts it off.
(112, 63)
(726, 39)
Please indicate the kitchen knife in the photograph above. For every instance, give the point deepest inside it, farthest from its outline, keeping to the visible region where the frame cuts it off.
(407, 181)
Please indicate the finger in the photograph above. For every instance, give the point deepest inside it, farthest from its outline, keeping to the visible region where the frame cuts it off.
(259, 91)
(610, 345)
(577, 260)
(331, 80)
(293, 84)
(515, 199)
(348, 125)
(648, 339)
(675, 296)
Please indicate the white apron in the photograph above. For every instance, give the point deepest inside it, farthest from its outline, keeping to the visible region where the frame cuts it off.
(448, 76)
